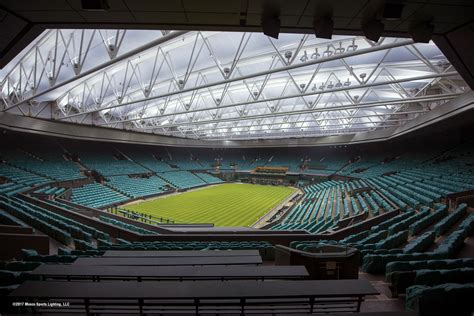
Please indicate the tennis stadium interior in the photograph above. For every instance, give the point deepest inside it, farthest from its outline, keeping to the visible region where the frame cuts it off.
(237, 157)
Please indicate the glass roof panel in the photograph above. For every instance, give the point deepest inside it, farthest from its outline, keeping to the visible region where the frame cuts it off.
(228, 85)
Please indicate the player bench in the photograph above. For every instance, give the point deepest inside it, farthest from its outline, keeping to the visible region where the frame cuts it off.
(241, 297)
(161, 273)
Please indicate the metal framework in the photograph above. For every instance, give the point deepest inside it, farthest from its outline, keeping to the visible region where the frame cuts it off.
(218, 85)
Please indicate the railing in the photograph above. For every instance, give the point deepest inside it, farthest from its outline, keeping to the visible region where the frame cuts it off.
(270, 170)
(142, 217)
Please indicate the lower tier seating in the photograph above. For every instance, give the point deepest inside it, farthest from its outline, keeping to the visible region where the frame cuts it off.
(445, 299)
(448, 248)
(182, 179)
(50, 190)
(208, 178)
(96, 196)
(266, 249)
(130, 227)
(7, 219)
(138, 187)
(54, 225)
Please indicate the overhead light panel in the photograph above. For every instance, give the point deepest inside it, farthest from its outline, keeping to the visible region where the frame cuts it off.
(95, 5)
(323, 27)
(271, 25)
(373, 29)
(422, 33)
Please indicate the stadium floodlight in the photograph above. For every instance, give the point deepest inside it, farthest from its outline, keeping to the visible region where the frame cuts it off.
(304, 58)
(271, 25)
(323, 27)
(373, 29)
(315, 55)
(340, 49)
(95, 5)
(421, 32)
(353, 47)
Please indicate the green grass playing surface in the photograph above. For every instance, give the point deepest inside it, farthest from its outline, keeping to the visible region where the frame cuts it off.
(228, 204)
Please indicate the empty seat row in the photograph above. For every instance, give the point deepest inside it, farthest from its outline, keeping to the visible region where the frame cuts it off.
(182, 179)
(445, 250)
(209, 178)
(57, 226)
(265, 248)
(127, 226)
(138, 186)
(444, 299)
(446, 223)
(97, 196)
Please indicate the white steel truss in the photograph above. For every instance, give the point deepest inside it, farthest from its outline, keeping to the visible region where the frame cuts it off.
(218, 85)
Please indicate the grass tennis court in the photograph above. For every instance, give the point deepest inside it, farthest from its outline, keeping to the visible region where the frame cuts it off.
(229, 204)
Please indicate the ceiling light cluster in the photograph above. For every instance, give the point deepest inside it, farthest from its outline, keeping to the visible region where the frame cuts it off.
(331, 49)
(372, 26)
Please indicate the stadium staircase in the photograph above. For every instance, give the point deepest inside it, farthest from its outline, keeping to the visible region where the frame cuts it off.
(133, 160)
(32, 155)
(346, 165)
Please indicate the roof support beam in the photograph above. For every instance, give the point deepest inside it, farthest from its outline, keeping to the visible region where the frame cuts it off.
(258, 74)
(307, 111)
(124, 56)
(295, 132)
(375, 84)
(310, 121)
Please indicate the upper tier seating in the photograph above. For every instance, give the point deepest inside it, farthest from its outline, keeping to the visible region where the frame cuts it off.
(156, 162)
(107, 164)
(290, 160)
(188, 164)
(186, 160)
(361, 167)
(327, 164)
